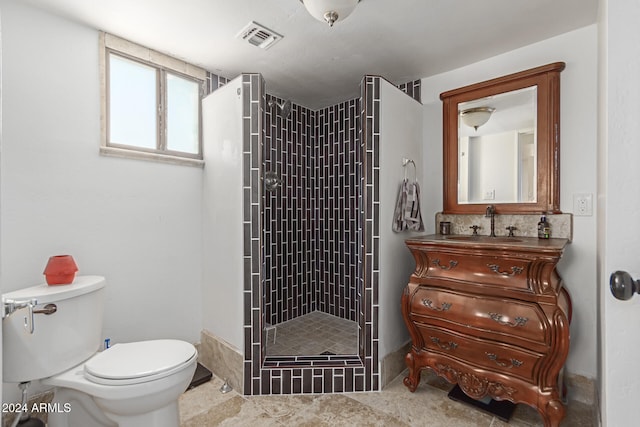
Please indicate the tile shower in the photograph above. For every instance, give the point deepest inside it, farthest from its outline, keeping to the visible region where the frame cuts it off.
(311, 223)
(312, 245)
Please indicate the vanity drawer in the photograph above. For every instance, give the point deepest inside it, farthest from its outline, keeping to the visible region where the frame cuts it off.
(499, 315)
(501, 271)
(508, 360)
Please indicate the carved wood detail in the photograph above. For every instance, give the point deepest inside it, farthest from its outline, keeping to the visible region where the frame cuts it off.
(476, 386)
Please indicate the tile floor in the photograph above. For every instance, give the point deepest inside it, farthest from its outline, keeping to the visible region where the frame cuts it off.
(395, 406)
(313, 334)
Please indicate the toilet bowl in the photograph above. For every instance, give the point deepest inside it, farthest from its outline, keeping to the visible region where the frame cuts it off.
(129, 384)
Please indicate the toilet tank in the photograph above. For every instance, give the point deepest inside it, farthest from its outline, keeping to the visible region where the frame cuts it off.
(60, 340)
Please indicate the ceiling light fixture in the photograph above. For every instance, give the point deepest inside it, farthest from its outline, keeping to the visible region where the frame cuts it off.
(476, 117)
(330, 11)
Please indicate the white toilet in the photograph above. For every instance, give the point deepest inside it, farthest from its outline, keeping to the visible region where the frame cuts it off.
(130, 384)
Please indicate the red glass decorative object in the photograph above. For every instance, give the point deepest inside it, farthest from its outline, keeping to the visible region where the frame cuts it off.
(60, 270)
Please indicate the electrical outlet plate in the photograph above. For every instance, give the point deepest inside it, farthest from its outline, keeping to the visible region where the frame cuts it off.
(583, 204)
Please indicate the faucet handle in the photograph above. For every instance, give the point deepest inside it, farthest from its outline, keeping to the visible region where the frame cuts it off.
(511, 228)
(475, 229)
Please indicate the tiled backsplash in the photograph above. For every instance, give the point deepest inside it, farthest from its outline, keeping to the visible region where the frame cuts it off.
(526, 225)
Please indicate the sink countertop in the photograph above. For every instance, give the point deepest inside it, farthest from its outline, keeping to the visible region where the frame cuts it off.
(484, 241)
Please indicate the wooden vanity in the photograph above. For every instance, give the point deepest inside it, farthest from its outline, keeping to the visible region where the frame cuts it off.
(492, 315)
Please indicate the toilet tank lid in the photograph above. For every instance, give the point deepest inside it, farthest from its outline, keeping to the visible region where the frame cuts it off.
(46, 294)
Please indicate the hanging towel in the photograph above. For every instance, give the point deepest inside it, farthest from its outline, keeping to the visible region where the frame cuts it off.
(407, 214)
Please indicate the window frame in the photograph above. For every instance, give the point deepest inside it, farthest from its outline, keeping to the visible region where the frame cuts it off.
(163, 65)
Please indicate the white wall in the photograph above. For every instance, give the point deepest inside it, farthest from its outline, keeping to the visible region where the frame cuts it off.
(578, 49)
(137, 223)
(0, 193)
(493, 168)
(400, 137)
(619, 244)
(223, 261)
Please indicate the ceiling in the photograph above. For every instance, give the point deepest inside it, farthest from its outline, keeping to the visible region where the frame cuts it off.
(316, 65)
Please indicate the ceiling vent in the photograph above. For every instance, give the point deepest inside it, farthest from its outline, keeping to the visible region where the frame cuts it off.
(258, 35)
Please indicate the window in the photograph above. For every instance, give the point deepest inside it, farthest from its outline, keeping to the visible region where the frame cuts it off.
(151, 104)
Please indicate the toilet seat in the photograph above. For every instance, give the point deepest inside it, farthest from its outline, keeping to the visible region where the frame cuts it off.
(138, 362)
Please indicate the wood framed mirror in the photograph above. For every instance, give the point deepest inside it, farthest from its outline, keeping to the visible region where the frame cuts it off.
(501, 144)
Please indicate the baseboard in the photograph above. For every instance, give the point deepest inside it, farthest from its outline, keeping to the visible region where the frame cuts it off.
(393, 365)
(222, 359)
(581, 388)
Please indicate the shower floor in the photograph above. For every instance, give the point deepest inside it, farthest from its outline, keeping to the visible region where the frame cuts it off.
(312, 334)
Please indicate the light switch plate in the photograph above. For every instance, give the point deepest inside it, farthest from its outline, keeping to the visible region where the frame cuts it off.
(490, 194)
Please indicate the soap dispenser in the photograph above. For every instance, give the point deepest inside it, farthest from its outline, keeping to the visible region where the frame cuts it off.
(544, 229)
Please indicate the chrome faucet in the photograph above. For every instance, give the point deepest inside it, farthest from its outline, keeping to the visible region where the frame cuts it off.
(491, 213)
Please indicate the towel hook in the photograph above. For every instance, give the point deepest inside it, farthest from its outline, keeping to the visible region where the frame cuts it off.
(405, 162)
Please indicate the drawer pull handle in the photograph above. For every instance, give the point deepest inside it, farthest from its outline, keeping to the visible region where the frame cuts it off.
(515, 363)
(514, 270)
(452, 264)
(429, 304)
(518, 321)
(446, 346)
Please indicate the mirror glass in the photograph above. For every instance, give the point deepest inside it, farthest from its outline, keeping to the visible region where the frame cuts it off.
(501, 144)
(497, 148)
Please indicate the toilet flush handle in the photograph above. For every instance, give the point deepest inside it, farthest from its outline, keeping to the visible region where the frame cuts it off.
(47, 309)
(28, 320)
(9, 306)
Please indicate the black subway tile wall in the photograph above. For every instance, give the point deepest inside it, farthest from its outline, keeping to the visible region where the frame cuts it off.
(370, 93)
(213, 82)
(311, 221)
(252, 118)
(289, 213)
(412, 89)
(338, 166)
